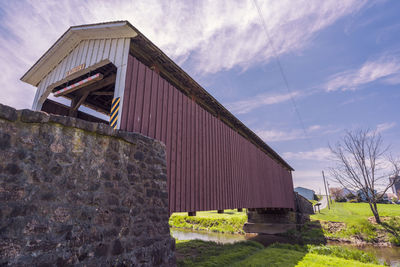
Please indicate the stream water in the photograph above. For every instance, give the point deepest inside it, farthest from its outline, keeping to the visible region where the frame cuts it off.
(389, 254)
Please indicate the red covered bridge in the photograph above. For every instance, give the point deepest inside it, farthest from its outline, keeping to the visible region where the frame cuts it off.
(214, 161)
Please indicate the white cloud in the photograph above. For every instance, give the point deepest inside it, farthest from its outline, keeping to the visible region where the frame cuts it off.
(309, 178)
(277, 136)
(286, 135)
(209, 35)
(387, 67)
(245, 106)
(320, 154)
(384, 126)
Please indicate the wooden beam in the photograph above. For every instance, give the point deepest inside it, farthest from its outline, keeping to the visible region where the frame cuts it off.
(79, 73)
(78, 85)
(101, 93)
(96, 86)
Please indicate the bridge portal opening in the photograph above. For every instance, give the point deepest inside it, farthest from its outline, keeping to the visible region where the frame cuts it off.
(90, 92)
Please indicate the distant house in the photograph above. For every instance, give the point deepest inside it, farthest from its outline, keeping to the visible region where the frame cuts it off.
(362, 196)
(396, 186)
(345, 192)
(340, 193)
(305, 192)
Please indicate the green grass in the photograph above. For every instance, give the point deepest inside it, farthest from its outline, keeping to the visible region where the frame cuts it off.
(248, 253)
(355, 216)
(230, 221)
(354, 212)
(201, 253)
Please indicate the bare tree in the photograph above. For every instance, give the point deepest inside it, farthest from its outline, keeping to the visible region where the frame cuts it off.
(336, 192)
(363, 163)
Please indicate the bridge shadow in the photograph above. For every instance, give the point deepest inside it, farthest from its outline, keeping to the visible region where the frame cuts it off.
(309, 233)
(289, 249)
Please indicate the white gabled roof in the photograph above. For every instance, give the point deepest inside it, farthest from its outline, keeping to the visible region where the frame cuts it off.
(69, 40)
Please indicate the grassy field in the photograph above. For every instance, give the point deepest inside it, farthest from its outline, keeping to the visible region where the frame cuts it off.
(354, 212)
(248, 253)
(355, 223)
(230, 221)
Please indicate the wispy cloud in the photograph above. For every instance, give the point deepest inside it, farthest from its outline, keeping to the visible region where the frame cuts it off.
(320, 154)
(385, 126)
(209, 36)
(283, 135)
(245, 106)
(386, 68)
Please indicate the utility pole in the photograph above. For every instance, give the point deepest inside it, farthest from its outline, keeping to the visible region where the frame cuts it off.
(326, 191)
(329, 192)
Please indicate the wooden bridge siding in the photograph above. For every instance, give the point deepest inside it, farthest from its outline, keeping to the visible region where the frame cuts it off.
(210, 166)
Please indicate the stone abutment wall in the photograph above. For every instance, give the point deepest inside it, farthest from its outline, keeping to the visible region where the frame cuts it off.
(80, 193)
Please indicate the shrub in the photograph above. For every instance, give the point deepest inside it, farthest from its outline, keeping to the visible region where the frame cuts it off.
(340, 199)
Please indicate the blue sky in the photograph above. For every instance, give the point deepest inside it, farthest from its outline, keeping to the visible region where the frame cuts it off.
(341, 60)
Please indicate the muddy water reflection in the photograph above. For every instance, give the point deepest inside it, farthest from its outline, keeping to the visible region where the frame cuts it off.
(184, 234)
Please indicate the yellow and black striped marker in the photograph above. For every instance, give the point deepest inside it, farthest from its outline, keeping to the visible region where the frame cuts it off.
(114, 112)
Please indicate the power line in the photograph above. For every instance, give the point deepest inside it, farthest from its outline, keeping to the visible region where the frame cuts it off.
(282, 73)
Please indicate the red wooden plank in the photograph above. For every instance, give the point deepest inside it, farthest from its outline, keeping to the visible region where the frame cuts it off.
(193, 133)
(197, 158)
(218, 164)
(132, 96)
(169, 142)
(210, 159)
(243, 163)
(220, 192)
(160, 110)
(146, 102)
(127, 91)
(222, 170)
(237, 162)
(187, 152)
(242, 180)
(203, 168)
(248, 178)
(214, 176)
(223, 164)
(165, 114)
(153, 105)
(183, 155)
(235, 171)
(270, 182)
(226, 166)
(200, 128)
(137, 122)
(173, 147)
(230, 166)
(179, 152)
(261, 173)
(258, 174)
(205, 151)
(253, 176)
(213, 187)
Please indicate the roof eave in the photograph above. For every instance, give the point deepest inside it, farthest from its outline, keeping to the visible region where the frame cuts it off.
(69, 40)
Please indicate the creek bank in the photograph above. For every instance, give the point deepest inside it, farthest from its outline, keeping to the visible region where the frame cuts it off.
(362, 233)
